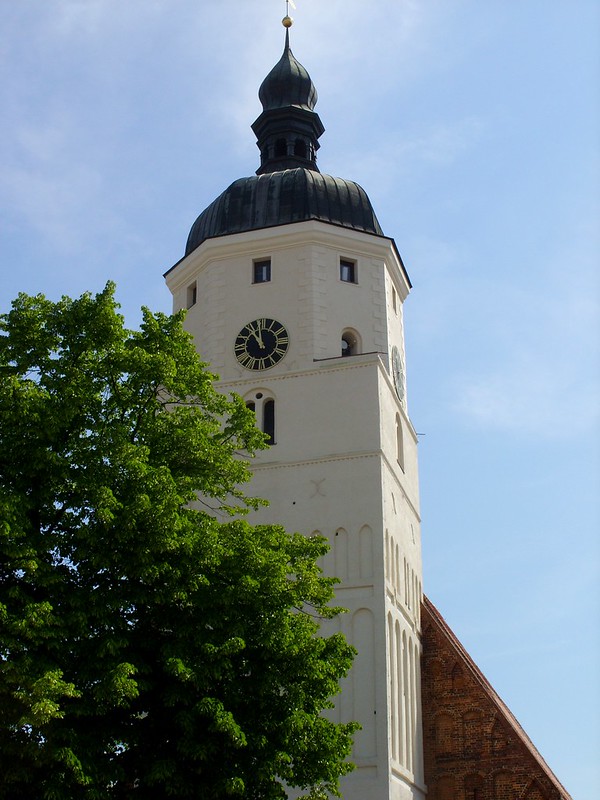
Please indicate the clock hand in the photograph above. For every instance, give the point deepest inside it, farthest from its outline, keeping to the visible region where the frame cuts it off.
(258, 336)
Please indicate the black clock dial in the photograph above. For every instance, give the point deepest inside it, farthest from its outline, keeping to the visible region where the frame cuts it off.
(261, 344)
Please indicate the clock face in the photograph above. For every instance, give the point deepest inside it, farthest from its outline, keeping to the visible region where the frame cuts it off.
(261, 344)
(398, 373)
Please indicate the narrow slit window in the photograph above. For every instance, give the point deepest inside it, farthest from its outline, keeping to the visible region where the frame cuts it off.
(269, 420)
(191, 295)
(347, 271)
(261, 271)
(399, 442)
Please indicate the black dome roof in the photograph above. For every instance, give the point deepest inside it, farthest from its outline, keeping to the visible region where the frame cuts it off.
(288, 186)
(288, 84)
(279, 198)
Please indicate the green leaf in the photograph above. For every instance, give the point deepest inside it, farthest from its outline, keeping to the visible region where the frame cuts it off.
(144, 641)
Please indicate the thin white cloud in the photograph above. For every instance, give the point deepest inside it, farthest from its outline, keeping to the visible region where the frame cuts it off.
(524, 396)
(74, 17)
(444, 144)
(544, 378)
(50, 183)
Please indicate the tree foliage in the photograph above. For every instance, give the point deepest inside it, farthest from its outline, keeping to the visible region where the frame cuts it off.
(148, 646)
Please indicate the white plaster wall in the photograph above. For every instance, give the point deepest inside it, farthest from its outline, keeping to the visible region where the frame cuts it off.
(305, 292)
(334, 467)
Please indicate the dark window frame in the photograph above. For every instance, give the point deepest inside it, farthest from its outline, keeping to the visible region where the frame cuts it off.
(191, 295)
(348, 271)
(263, 407)
(268, 420)
(261, 270)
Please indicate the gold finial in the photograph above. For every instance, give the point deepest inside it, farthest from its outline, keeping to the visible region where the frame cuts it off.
(287, 21)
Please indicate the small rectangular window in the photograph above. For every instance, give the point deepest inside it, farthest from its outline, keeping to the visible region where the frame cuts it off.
(347, 271)
(192, 295)
(261, 271)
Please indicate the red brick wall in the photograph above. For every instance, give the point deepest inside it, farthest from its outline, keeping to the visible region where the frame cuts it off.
(474, 748)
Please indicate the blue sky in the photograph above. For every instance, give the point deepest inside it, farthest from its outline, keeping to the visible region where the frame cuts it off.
(474, 127)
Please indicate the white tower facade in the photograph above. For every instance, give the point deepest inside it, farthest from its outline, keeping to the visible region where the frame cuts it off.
(295, 299)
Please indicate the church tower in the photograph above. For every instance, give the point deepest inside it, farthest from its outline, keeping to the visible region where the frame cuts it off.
(295, 299)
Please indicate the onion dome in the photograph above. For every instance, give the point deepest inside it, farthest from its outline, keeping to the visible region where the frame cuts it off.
(288, 84)
(288, 129)
(288, 186)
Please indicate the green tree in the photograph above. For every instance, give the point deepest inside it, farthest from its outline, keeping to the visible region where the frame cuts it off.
(148, 646)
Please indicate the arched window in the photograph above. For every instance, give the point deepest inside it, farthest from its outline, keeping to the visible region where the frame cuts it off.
(473, 787)
(415, 593)
(458, 678)
(300, 148)
(436, 670)
(413, 706)
(388, 563)
(499, 738)
(445, 788)
(341, 548)
(263, 405)
(350, 343)
(400, 699)
(269, 420)
(399, 442)
(503, 786)
(472, 734)
(280, 148)
(365, 550)
(534, 792)
(444, 737)
(393, 688)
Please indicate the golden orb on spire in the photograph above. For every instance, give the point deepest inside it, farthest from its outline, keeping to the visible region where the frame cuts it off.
(287, 22)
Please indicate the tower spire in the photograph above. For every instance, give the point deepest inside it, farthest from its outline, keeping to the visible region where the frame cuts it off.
(288, 186)
(288, 129)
